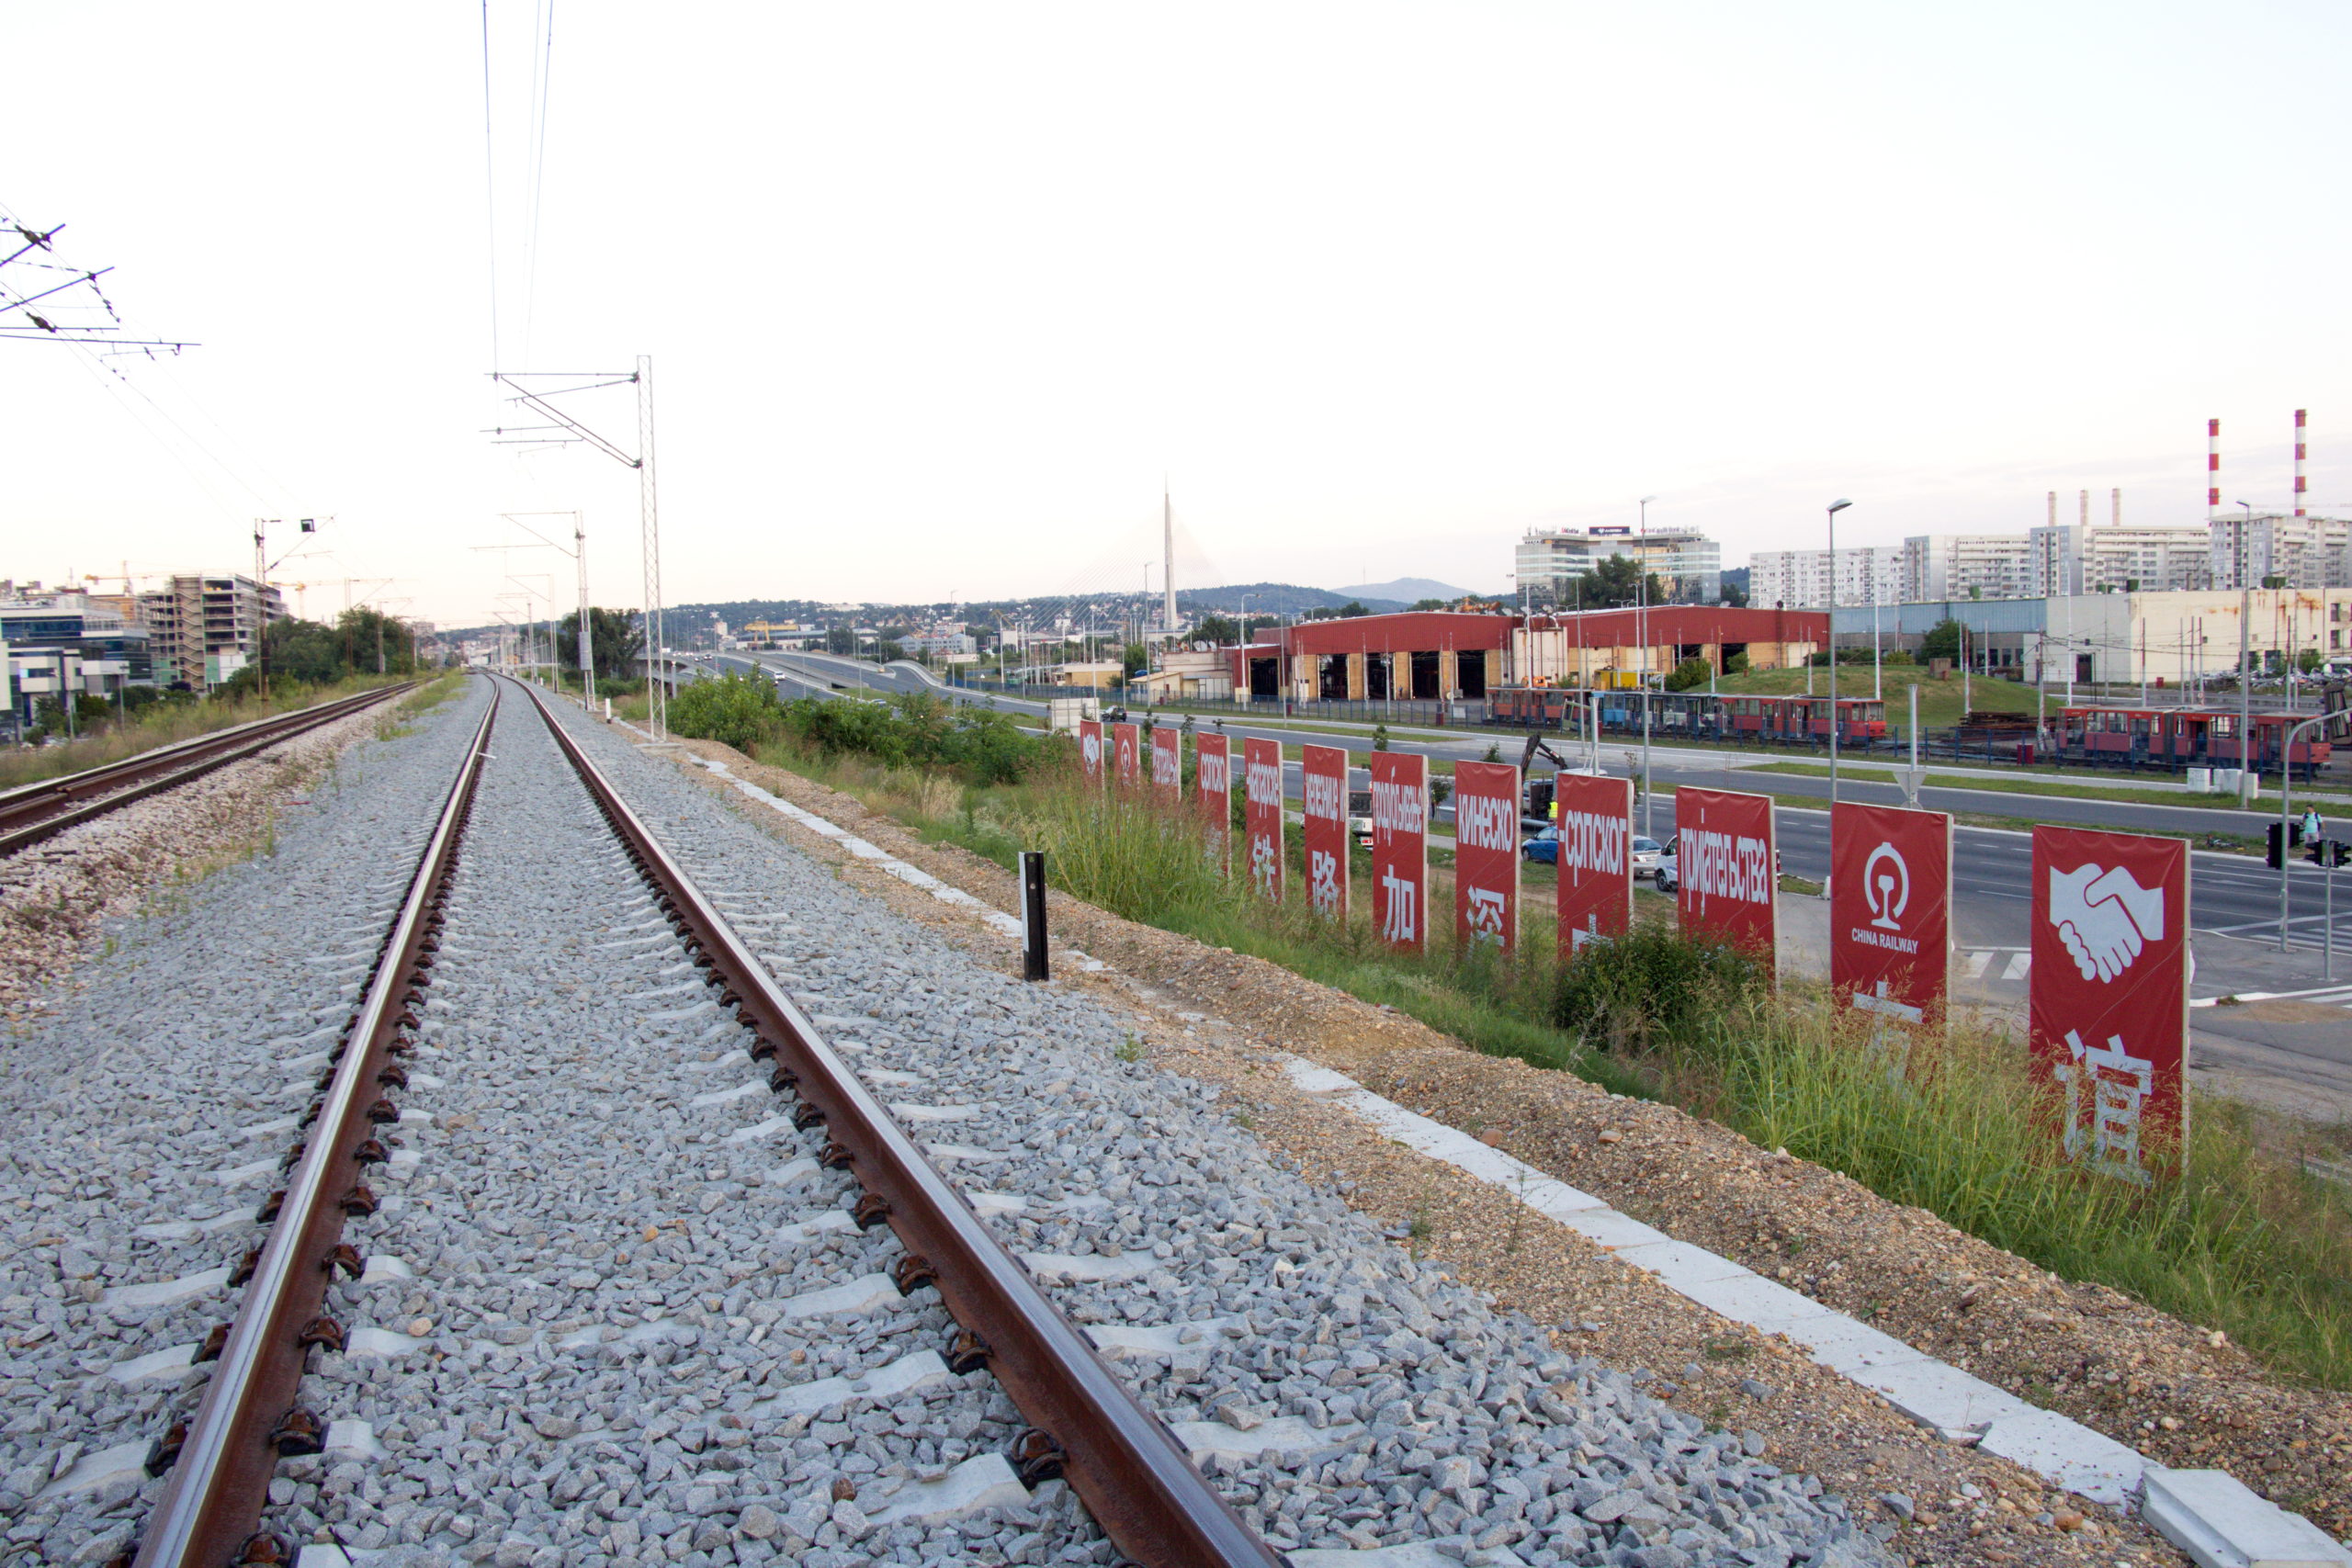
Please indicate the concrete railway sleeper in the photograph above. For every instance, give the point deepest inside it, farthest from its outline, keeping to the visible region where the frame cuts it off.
(46, 807)
(696, 1183)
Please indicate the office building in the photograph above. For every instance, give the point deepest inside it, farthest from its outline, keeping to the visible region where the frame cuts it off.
(1550, 562)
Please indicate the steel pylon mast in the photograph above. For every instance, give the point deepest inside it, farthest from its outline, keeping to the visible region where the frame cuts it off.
(563, 430)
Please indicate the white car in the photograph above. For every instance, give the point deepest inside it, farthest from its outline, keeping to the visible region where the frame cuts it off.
(1647, 855)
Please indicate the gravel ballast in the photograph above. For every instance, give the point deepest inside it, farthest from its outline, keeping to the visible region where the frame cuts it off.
(614, 1313)
(146, 1108)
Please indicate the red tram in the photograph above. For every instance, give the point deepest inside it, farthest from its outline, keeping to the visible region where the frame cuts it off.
(2184, 738)
(1697, 716)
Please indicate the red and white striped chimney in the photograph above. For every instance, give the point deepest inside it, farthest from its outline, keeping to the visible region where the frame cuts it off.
(2213, 468)
(2299, 462)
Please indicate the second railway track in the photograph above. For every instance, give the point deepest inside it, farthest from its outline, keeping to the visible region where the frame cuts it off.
(617, 1302)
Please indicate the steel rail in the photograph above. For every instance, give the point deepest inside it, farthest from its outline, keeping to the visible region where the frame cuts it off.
(247, 1421)
(46, 807)
(1085, 1425)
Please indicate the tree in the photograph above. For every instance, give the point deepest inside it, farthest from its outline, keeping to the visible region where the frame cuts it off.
(887, 649)
(1942, 640)
(841, 639)
(1380, 738)
(1428, 604)
(615, 640)
(734, 709)
(1217, 629)
(1735, 595)
(1134, 659)
(1691, 671)
(1617, 582)
(1351, 609)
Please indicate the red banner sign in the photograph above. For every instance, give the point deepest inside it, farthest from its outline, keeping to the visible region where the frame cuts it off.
(1890, 909)
(2109, 992)
(1486, 853)
(1595, 821)
(1324, 784)
(1400, 849)
(1725, 876)
(1261, 815)
(1168, 768)
(1212, 792)
(1090, 747)
(1126, 755)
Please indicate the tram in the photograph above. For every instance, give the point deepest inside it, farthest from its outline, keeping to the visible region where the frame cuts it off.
(2184, 738)
(1695, 716)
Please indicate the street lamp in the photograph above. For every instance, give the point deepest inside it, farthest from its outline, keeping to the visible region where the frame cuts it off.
(2245, 553)
(1834, 508)
(1642, 630)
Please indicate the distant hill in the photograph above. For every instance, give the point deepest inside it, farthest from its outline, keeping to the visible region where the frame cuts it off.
(1407, 591)
(1276, 599)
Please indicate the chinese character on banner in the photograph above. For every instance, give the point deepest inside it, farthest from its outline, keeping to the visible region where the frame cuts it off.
(1595, 823)
(1400, 855)
(1486, 853)
(1323, 783)
(1726, 877)
(1089, 748)
(2108, 992)
(1261, 815)
(1126, 759)
(1213, 793)
(1890, 909)
(1167, 768)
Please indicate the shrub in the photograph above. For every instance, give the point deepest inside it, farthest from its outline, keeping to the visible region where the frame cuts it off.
(1650, 987)
(736, 709)
(1690, 672)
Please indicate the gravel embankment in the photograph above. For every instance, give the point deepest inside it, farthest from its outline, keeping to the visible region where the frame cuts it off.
(144, 1111)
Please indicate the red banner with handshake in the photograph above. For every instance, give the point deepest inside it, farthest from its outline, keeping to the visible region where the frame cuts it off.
(1890, 910)
(1726, 876)
(1089, 748)
(2110, 993)
(1400, 849)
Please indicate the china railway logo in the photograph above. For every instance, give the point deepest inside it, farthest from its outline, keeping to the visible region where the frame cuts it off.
(1886, 887)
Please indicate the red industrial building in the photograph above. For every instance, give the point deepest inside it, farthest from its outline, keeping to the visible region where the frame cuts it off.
(1432, 655)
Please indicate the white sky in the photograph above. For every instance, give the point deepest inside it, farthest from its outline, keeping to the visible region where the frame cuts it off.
(937, 294)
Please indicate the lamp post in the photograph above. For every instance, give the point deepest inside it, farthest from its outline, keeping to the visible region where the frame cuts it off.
(1834, 508)
(2246, 675)
(1642, 630)
(2286, 789)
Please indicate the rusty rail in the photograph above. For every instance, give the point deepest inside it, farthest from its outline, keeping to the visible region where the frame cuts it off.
(221, 1465)
(1085, 1425)
(32, 812)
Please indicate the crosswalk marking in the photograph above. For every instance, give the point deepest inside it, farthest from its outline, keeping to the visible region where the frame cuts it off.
(2019, 963)
(1978, 964)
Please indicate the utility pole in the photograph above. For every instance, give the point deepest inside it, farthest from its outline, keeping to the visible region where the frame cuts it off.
(2246, 673)
(563, 430)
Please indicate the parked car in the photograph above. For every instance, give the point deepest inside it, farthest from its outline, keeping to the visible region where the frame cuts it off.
(1663, 876)
(1543, 849)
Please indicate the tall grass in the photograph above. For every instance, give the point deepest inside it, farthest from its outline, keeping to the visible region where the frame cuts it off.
(2240, 1239)
(162, 724)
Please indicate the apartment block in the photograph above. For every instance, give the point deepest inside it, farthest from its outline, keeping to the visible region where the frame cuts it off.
(2251, 548)
(2075, 558)
(1967, 566)
(1870, 574)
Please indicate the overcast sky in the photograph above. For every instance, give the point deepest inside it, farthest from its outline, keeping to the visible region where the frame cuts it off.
(936, 295)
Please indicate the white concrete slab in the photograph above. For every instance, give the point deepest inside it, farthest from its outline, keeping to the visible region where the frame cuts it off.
(903, 1376)
(1411, 1554)
(1607, 1227)
(352, 1440)
(238, 1175)
(725, 1096)
(165, 1292)
(383, 1266)
(1944, 1397)
(379, 1344)
(905, 1112)
(984, 1482)
(2081, 1461)
(1753, 1299)
(1205, 1439)
(767, 1129)
(94, 1470)
(872, 1292)
(2221, 1524)
(1092, 1268)
(1122, 1341)
(963, 1154)
(158, 1364)
(889, 1078)
(1678, 1263)
(789, 1172)
(269, 1129)
(801, 1232)
(994, 1205)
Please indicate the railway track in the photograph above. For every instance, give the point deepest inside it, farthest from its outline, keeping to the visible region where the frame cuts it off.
(33, 812)
(661, 1200)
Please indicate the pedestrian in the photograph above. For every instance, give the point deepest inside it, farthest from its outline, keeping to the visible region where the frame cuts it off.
(2313, 829)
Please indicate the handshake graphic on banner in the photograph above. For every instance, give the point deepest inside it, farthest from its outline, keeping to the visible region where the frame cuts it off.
(2105, 918)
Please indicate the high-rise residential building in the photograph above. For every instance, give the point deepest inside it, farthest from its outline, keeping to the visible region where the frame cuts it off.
(2249, 549)
(1967, 566)
(2111, 558)
(1868, 574)
(203, 629)
(1686, 562)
